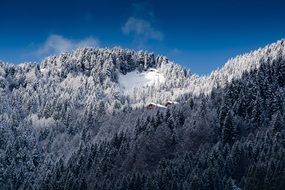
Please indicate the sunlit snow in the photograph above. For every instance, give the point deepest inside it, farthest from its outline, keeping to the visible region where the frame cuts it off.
(136, 79)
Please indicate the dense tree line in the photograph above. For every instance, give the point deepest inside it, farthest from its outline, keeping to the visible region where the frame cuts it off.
(231, 139)
(66, 124)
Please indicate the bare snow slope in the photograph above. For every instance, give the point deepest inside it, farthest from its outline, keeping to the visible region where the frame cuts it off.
(136, 79)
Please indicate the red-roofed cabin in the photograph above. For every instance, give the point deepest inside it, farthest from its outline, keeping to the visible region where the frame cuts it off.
(169, 103)
(151, 106)
(154, 105)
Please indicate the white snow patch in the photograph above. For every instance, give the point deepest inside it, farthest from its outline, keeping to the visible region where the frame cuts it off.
(41, 122)
(136, 79)
(31, 76)
(72, 82)
(44, 70)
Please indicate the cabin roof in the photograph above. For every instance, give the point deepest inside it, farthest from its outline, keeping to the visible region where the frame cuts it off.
(157, 105)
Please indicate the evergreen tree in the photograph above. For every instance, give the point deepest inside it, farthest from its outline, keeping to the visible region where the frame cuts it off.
(228, 131)
(277, 123)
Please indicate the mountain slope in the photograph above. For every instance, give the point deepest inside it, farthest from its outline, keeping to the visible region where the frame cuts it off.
(230, 139)
(77, 120)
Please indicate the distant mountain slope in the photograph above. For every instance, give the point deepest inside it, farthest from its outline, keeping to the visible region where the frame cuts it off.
(230, 138)
(96, 73)
(78, 119)
(236, 67)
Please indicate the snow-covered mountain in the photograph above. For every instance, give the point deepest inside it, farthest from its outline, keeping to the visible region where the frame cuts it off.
(118, 78)
(63, 121)
(111, 79)
(88, 76)
(236, 67)
(123, 76)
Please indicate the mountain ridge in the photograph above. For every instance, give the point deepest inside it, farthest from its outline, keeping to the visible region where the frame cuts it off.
(66, 124)
(85, 59)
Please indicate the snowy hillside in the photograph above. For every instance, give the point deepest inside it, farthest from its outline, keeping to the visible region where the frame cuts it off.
(236, 67)
(80, 118)
(136, 79)
(104, 80)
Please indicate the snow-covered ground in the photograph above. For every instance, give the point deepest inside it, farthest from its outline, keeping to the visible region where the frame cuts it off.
(135, 79)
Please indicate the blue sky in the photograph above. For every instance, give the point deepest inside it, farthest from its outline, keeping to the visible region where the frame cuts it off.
(200, 35)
